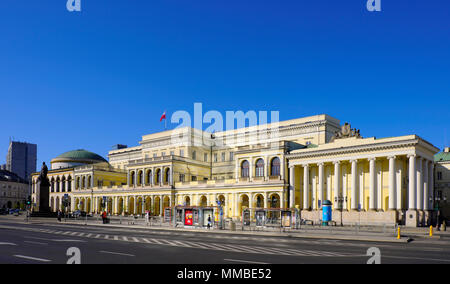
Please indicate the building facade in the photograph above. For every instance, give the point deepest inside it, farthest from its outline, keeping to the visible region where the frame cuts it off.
(14, 191)
(291, 164)
(21, 159)
(442, 178)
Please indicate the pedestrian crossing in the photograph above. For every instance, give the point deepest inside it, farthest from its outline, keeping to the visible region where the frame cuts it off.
(240, 248)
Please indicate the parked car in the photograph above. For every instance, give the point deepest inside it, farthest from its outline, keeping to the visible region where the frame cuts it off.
(3, 211)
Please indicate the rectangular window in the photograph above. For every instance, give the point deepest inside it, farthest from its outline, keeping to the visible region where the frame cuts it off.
(194, 178)
(231, 156)
(439, 175)
(194, 155)
(155, 155)
(223, 157)
(172, 153)
(205, 157)
(215, 158)
(182, 177)
(163, 154)
(182, 153)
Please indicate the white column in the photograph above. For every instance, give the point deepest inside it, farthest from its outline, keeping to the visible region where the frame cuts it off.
(306, 204)
(161, 202)
(419, 184)
(372, 198)
(328, 177)
(320, 193)
(392, 184)
(412, 183)
(135, 204)
(153, 177)
(354, 185)
(292, 187)
(430, 185)
(337, 182)
(344, 187)
(426, 185)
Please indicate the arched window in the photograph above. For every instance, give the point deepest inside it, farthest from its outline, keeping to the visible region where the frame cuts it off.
(83, 182)
(63, 184)
(132, 181)
(275, 167)
(69, 184)
(140, 176)
(244, 169)
(149, 177)
(260, 168)
(167, 176)
(158, 176)
(57, 184)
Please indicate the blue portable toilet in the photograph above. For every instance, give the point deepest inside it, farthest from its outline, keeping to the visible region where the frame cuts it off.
(326, 212)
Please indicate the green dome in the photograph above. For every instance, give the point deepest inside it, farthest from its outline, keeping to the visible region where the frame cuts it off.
(81, 155)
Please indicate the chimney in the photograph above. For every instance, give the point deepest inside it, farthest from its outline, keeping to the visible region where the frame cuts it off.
(447, 149)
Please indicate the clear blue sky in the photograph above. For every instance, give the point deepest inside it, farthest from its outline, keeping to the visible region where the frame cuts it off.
(104, 76)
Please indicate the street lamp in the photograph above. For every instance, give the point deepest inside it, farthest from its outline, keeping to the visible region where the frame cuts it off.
(437, 204)
(340, 200)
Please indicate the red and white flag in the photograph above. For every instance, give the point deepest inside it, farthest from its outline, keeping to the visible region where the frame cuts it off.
(163, 116)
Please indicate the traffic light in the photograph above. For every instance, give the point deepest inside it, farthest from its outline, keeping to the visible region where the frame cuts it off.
(29, 200)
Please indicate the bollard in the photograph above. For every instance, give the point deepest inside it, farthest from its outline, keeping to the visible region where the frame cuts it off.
(431, 231)
(398, 233)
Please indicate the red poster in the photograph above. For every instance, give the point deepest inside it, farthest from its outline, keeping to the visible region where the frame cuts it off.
(188, 218)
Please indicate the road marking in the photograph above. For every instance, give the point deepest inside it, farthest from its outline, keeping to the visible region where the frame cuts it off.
(7, 244)
(117, 253)
(125, 239)
(31, 258)
(245, 261)
(36, 243)
(116, 238)
(136, 240)
(107, 237)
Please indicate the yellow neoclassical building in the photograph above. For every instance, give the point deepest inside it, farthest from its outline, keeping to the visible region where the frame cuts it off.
(297, 163)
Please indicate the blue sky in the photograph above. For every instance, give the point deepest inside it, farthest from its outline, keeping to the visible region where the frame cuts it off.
(104, 76)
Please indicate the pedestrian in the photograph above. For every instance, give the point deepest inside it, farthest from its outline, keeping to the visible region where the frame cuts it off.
(59, 215)
(104, 217)
(209, 222)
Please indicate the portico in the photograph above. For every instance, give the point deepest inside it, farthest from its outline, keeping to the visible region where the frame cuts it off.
(387, 179)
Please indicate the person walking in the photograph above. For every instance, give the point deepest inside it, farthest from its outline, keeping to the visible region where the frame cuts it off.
(59, 215)
(104, 217)
(209, 222)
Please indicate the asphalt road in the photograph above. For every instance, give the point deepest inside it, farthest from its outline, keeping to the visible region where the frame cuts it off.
(49, 244)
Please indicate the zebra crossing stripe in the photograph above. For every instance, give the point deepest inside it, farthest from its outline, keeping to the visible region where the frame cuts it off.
(157, 241)
(106, 237)
(136, 240)
(81, 234)
(98, 236)
(74, 233)
(182, 244)
(116, 238)
(257, 250)
(125, 238)
(89, 235)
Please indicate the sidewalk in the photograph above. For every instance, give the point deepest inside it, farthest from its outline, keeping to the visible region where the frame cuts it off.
(369, 234)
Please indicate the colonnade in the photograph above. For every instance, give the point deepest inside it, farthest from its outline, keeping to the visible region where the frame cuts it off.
(352, 193)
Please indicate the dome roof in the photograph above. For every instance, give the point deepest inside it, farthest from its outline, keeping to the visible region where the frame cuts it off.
(81, 155)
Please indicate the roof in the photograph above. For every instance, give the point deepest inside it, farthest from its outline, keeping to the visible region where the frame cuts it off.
(442, 157)
(11, 177)
(81, 155)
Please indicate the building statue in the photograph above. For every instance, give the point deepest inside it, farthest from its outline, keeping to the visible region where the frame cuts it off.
(346, 132)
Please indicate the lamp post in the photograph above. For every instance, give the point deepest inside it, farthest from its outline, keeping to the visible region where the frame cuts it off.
(436, 205)
(340, 200)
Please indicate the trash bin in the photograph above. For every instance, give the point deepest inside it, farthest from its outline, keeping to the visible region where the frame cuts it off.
(233, 226)
(326, 212)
